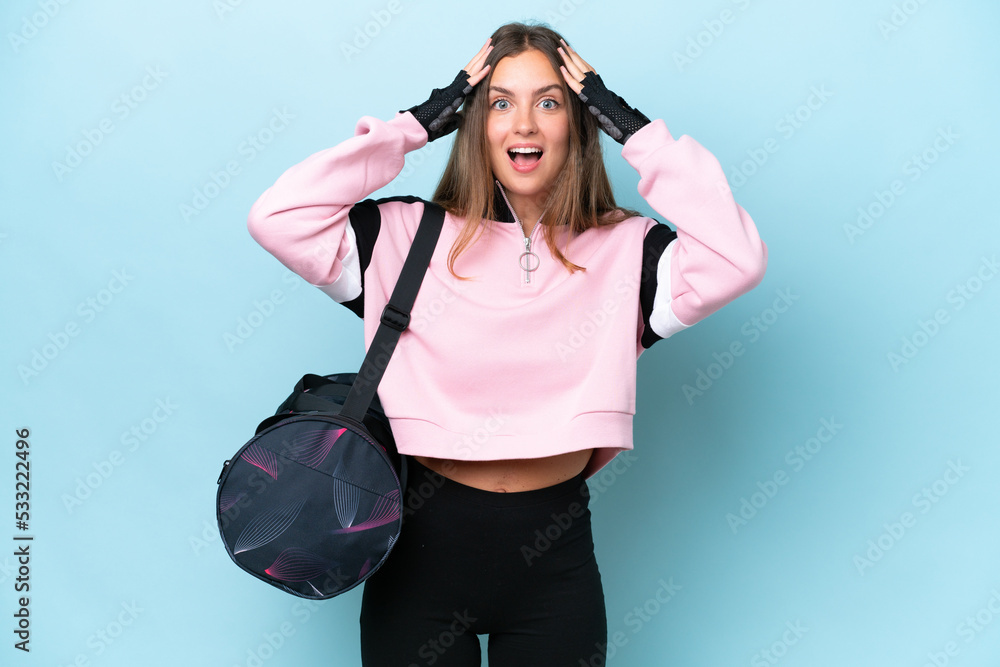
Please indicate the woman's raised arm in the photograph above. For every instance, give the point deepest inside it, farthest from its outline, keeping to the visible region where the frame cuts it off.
(302, 219)
(718, 254)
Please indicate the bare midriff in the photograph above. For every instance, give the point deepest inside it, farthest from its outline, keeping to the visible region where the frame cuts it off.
(511, 475)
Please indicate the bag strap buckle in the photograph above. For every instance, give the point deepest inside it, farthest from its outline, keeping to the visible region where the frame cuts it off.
(395, 318)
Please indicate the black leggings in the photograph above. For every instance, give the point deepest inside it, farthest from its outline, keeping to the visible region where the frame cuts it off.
(518, 566)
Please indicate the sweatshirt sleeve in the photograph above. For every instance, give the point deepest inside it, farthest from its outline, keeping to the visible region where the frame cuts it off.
(303, 218)
(715, 255)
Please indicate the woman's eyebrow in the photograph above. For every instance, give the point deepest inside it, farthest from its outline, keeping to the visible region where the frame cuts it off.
(537, 92)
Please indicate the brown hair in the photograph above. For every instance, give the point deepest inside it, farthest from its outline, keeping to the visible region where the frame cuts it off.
(581, 197)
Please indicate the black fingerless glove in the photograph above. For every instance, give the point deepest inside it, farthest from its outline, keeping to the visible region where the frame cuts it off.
(437, 114)
(617, 118)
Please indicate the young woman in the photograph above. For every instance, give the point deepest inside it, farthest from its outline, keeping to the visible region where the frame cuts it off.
(515, 381)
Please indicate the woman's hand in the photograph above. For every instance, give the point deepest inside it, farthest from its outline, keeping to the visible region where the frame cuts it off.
(475, 68)
(437, 114)
(616, 117)
(575, 68)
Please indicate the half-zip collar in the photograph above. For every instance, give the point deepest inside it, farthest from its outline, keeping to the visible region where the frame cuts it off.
(527, 256)
(503, 212)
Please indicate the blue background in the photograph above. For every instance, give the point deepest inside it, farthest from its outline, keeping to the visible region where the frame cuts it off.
(820, 552)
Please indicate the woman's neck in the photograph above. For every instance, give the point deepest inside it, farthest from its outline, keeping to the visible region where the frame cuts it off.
(526, 209)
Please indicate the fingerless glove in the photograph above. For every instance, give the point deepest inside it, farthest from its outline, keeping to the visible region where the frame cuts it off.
(616, 117)
(437, 114)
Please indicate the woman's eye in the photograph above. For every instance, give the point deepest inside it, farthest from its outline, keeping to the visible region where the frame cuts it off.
(552, 104)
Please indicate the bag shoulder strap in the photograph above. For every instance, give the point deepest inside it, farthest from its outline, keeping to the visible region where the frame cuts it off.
(396, 314)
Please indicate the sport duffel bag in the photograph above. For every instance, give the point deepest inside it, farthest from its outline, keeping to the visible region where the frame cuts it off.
(312, 504)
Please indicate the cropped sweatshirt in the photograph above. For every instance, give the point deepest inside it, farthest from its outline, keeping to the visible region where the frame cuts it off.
(497, 367)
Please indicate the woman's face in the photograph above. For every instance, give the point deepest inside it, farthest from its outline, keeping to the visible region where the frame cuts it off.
(527, 108)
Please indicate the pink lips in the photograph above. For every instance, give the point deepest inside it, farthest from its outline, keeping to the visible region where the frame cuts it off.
(525, 169)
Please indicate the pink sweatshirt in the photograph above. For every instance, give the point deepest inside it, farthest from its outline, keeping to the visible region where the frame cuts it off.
(497, 368)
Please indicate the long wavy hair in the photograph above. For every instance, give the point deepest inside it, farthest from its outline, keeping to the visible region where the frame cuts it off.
(581, 196)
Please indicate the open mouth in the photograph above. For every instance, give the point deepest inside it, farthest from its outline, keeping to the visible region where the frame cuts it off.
(525, 157)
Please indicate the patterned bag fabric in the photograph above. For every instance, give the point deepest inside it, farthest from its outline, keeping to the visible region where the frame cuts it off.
(312, 504)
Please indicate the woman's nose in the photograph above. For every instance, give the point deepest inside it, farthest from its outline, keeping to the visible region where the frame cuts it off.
(524, 121)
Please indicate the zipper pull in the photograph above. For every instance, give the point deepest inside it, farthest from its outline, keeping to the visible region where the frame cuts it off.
(527, 256)
(224, 466)
(527, 249)
(527, 253)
